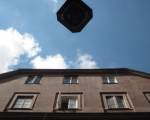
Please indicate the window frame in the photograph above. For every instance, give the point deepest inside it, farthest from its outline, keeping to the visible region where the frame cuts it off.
(71, 79)
(57, 104)
(107, 80)
(126, 101)
(147, 95)
(31, 77)
(17, 95)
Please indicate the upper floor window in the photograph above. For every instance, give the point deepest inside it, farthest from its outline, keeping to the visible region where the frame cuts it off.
(71, 80)
(22, 101)
(116, 101)
(110, 80)
(68, 101)
(33, 79)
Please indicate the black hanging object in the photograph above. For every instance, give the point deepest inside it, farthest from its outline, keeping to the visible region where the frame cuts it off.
(74, 15)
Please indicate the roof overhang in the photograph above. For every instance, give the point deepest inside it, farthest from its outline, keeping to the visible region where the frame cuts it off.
(74, 116)
(116, 71)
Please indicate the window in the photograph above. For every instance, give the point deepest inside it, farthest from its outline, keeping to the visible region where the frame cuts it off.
(33, 79)
(68, 101)
(71, 80)
(110, 80)
(147, 95)
(116, 101)
(22, 101)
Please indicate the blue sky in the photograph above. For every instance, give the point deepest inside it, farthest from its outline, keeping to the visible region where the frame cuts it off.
(117, 36)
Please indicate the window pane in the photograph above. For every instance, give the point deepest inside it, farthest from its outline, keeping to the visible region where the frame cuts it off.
(73, 103)
(19, 103)
(105, 80)
(67, 80)
(17, 106)
(74, 80)
(23, 102)
(120, 102)
(64, 102)
(110, 102)
(38, 78)
(111, 79)
(34, 79)
(30, 80)
(27, 103)
(69, 102)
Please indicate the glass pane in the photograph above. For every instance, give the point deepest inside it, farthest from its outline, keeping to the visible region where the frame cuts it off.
(31, 80)
(67, 80)
(19, 103)
(23, 102)
(110, 102)
(38, 78)
(105, 80)
(120, 102)
(17, 106)
(111, 79)
(64, 102)
(74, 80)
(34, 79)
(27, 103)
(73, 103)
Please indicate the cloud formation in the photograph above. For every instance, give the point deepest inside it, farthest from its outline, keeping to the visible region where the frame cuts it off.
(85, 61)
(13, 45)
(50, 62)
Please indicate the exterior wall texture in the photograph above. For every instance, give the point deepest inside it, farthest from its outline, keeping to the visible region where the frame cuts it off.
(90, 85)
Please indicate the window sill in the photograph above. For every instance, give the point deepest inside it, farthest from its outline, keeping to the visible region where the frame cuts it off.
(70, 83)
(110, 83)
(118, 108)
(20, 109)
(68, 110)
(32, 83)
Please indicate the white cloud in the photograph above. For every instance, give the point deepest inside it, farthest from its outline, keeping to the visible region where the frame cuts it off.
(50, 62)
(85, 61)
(14, 44)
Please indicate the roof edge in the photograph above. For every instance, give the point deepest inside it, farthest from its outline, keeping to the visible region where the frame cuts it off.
(76, 71)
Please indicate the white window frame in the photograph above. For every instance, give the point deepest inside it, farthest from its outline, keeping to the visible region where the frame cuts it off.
(116, 104)
(26, 102)
(33, 79)
(147, 95)
(126, 101)
(17, 96)
(107, 80)
(78, 101)
(70, 80)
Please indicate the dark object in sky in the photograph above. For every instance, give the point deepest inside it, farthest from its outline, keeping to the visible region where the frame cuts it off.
(74, 15)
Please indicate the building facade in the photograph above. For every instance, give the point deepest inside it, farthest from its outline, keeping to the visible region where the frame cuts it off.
(75, 94)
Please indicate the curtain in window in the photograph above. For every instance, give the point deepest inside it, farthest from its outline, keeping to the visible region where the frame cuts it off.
(23, 103)
(110, 102)
(58, 102)
(120, 101)
(19, 103)
(27, 103)
(73, 103)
